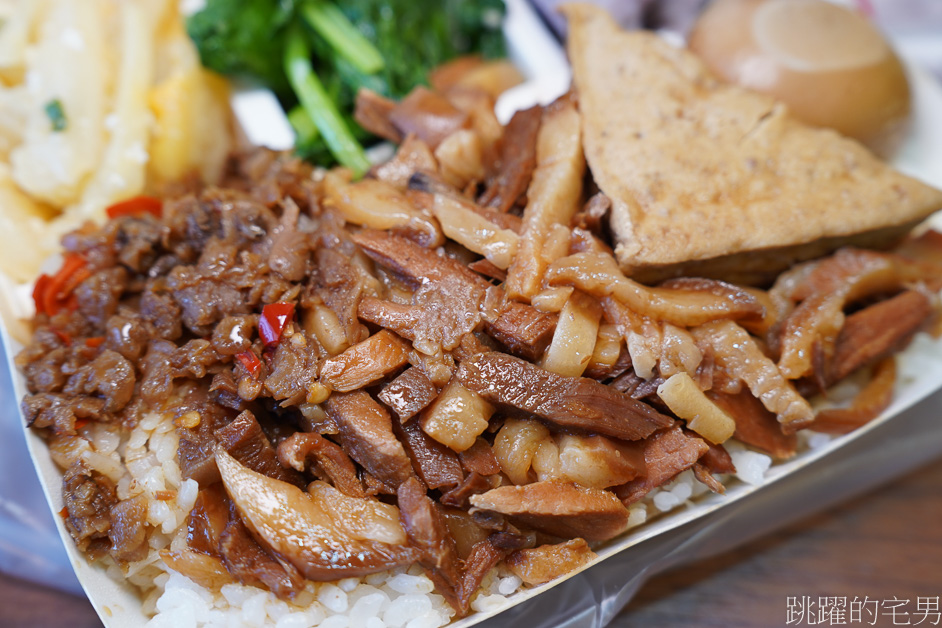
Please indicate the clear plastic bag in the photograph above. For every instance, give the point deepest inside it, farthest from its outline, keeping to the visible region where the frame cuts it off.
(30, 547)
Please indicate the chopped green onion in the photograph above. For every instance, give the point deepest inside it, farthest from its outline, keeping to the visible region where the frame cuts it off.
(343, 146)
(56, 115)
(303, 126)
(329, 22)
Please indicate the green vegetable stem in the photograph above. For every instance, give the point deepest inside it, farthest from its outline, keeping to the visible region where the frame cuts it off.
(319, 107)
(330, 23)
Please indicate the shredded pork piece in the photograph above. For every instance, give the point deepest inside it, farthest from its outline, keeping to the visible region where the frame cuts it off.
(755, 425)
(249, 563)
(372, 113)
(566, 401)
(244, 440)
(479, 458)
(665, 455)
(866, 406)
(409, 393)
(484, 557)
(548, 562)
(428, 115)
(511, 172)
(454, 306)
(562, 509)
(876, 332)
(437, 465)
(413, 157)
(736, 352)
(365, 362)
(366, 434)
(428, 532)
(329, 461)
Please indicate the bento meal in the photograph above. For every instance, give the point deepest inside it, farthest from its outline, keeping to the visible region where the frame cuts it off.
(301, 398)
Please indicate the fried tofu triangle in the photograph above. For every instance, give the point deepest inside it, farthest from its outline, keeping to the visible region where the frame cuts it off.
(709, 179)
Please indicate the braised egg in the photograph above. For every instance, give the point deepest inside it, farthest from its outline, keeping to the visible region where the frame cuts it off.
(828, 63)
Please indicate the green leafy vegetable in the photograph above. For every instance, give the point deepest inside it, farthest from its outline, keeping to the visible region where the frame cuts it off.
(56, 115)
(386, 45)
(244, 38)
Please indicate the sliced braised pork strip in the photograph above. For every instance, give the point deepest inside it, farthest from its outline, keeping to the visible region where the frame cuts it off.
(877, 331)
(511, 173)
(250, 563)
(328, 460)
(525, 331)
(479, 458)
(484, 556)
(437, 465)
(372, 113)
(473, 484)
(548, 562)
(666, 454)
(409, 393)
(207, 520)
(566, 401)
(366, 433)
(428, 533)
(245, 441)
(563, 509)
(755, 425)
(518, 326)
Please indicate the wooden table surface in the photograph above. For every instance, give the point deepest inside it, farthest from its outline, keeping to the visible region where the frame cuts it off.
(886, 545)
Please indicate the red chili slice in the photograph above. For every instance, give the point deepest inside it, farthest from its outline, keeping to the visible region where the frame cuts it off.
(250, 361)
(94, 342)
(39, 293)
(53, 293)
(275, 317)
(136, 205)
(63, 336)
